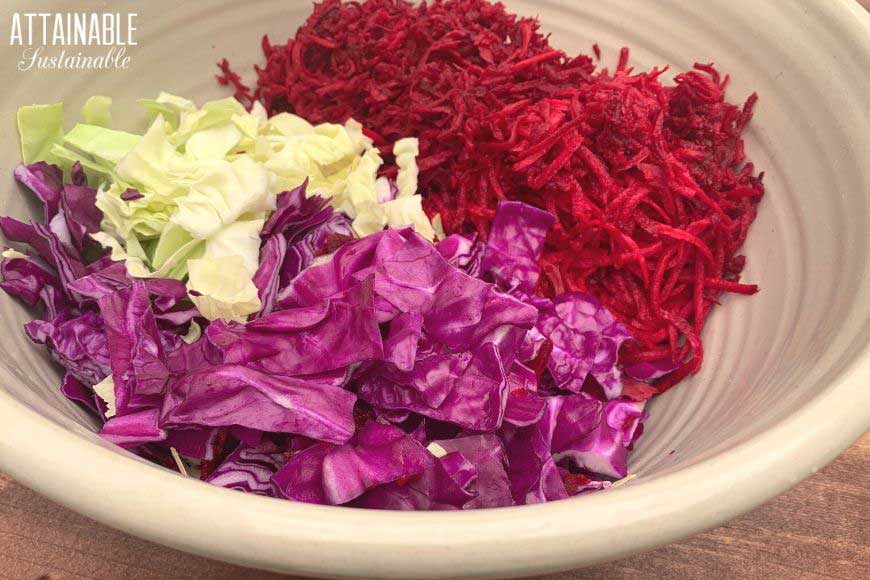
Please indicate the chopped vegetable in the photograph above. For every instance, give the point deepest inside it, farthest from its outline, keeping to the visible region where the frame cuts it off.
(40, 128)
(222, 288)
(190, 195)
(250, 468)
(385, 376)
(335, 475)
(227, 395)
(97, 110)
(105, 390)
(252, 290)
(648, 181)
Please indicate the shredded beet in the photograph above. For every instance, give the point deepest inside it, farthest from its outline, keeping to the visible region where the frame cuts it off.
(648, 181)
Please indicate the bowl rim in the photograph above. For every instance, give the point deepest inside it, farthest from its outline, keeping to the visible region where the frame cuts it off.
(95, 480)
(585, 529)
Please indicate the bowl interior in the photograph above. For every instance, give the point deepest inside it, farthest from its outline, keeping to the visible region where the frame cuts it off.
(766, 357)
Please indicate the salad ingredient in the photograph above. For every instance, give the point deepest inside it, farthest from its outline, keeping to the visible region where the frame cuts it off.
(29, 280)
(301, 229)
(105, 390)
(190, 195)
(97, 110)
(227, 395)
(223, 288)
(515, 244)
(385, 376)
(339, 331)
(262, 299)
(444, 484)
(134, 429)
(39, 128)
(250, 468)
(336, 475)
(77, 343)
(138, 360)
(491, 487)
(75, 391)
(585, 341)
(406, 152)
(647, 180)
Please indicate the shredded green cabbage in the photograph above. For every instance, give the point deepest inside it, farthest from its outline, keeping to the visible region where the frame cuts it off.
(40, 127)
(204, 179)
(97, 110)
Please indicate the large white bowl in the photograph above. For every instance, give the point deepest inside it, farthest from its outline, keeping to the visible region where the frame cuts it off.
(783, 391)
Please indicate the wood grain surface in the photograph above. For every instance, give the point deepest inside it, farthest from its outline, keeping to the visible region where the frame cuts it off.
(819, 529)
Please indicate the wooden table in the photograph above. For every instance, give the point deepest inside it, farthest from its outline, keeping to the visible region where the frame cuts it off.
(819, 529)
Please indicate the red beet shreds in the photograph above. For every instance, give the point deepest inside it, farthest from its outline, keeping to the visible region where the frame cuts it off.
(648, 181)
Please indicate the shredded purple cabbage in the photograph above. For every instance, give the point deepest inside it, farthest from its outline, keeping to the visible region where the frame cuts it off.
(384, 372)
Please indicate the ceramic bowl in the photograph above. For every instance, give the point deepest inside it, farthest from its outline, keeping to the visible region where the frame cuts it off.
(784, 388)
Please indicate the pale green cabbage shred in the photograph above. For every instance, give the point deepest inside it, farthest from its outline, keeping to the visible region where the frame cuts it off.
(209, 177)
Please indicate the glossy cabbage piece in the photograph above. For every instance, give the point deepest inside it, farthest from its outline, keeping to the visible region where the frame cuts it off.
(385, 372)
